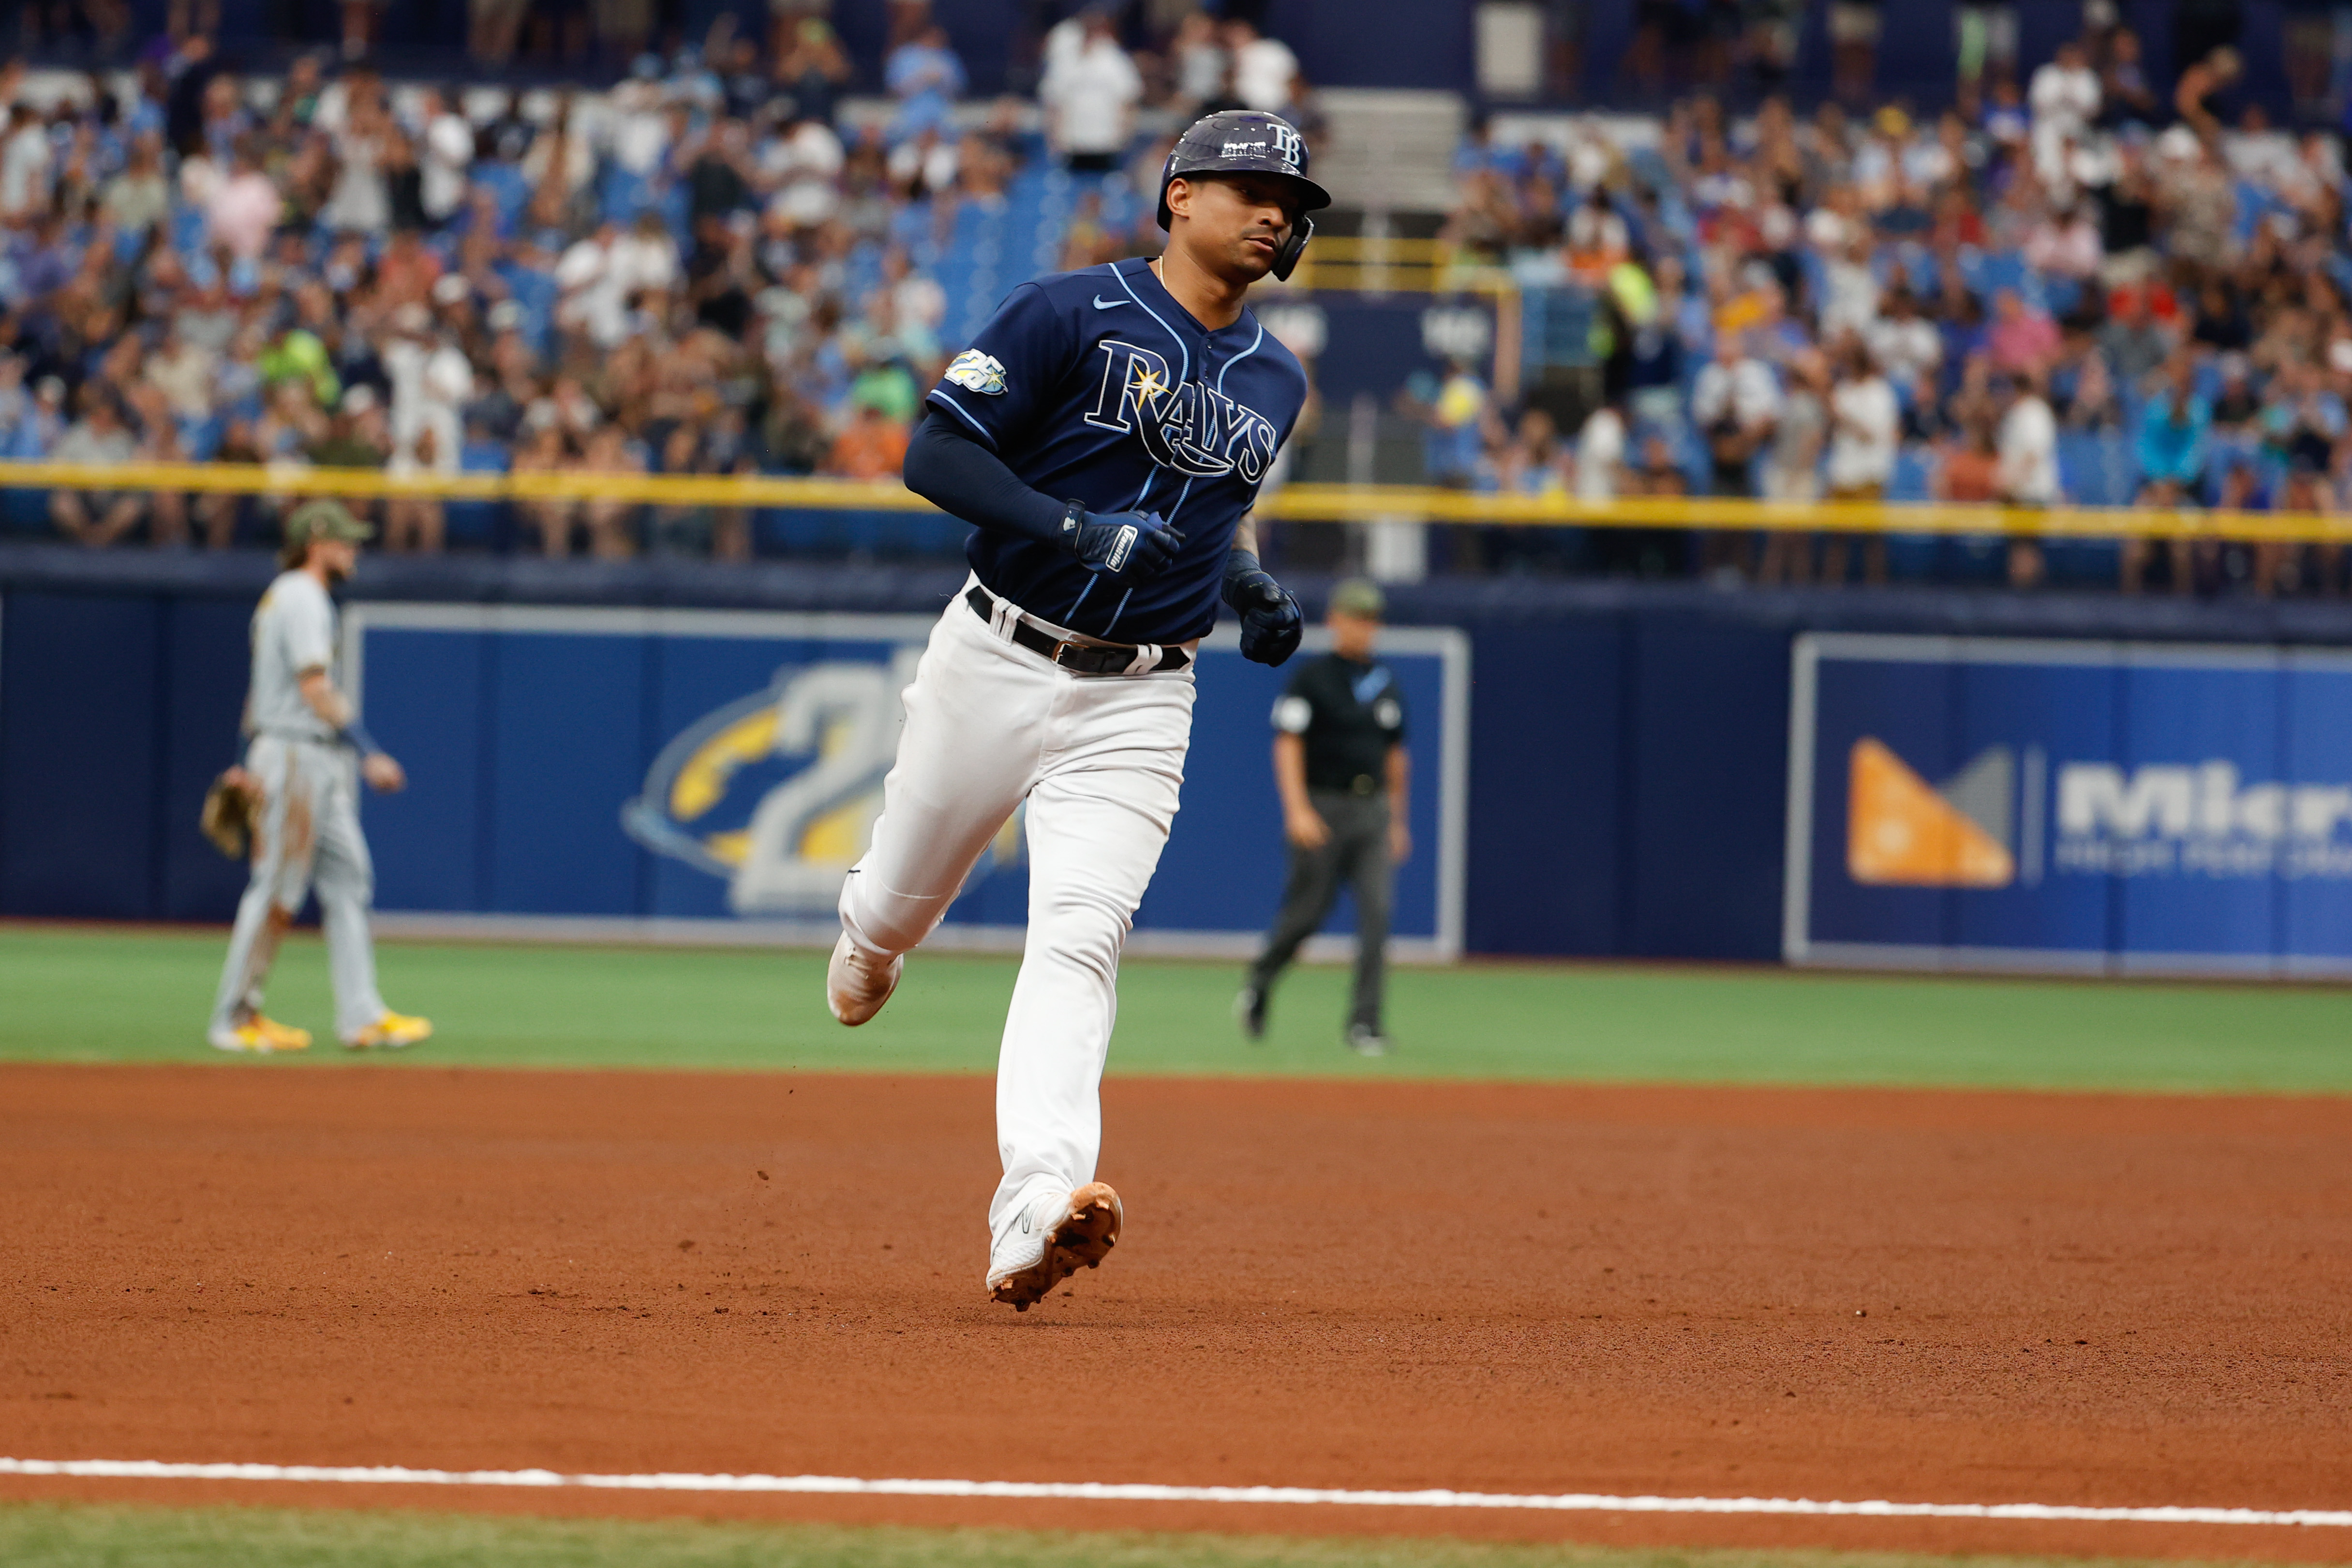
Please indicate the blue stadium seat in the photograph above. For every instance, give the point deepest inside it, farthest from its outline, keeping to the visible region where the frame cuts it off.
(622, 194)
(1910, 481)
(506, 184)
(201, 439)
(2094, 470)
(479, 524)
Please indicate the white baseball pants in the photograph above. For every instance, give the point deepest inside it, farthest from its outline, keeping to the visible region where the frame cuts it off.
(1099, 759)
(308, 836)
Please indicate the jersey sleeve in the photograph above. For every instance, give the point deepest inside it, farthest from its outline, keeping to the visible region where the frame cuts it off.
(305, 626)
(997, 388)
(1294, 710)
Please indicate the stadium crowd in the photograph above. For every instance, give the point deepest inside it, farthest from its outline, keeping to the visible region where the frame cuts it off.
(2068, 286)
(707, 270)
(2063, 288)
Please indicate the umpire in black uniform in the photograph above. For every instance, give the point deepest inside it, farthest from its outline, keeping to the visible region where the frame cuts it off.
(1339, 760)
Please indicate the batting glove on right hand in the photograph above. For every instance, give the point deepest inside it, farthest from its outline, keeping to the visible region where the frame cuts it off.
(1271, 624)
(1128, 547)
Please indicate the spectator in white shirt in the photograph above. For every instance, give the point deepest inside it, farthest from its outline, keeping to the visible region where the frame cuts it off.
(431, 382)
(1265, 73)
(445, 146)
(2026, 471)
(639, 130)
(600, 276)
(1736, 403)
(2064, 98)
(1601, 455)
(916, 298)
(28, 164)
(1866, 426)
(1849, 291)
(1904, 344)
(804, 165)
(1088, 93)
(1200, 61)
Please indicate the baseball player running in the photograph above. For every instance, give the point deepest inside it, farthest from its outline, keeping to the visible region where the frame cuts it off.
(302, 769)
(1105, 434)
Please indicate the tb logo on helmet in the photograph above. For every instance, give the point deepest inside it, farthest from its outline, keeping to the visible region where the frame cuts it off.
(1288, 145)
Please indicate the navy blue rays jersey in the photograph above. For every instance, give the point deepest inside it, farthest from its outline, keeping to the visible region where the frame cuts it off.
(1097, 386)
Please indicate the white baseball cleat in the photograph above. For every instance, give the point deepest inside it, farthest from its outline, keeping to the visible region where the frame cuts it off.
(855, 985)
(1050, 1240)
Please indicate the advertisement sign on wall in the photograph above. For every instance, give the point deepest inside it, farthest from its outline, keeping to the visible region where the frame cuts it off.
(713, 775)
(2090, 806)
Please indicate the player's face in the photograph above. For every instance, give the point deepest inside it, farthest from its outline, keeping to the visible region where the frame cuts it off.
(341, 557)
(1234, 223)
(1352, 636)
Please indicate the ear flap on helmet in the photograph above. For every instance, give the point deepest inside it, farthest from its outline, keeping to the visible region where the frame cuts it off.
(1286, 259)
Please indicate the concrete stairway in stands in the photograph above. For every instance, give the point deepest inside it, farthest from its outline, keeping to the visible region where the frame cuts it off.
(1386, 150)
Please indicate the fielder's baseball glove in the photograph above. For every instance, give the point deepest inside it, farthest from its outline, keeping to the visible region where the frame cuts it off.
(227, 818)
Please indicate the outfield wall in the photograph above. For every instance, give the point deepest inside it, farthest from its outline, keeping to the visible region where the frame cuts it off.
(1628, 759)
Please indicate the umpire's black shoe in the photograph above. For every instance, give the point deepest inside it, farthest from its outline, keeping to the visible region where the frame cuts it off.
(1249, 1012)
(1366, 1040)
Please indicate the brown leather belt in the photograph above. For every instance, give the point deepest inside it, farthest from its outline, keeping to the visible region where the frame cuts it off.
(1077, 657)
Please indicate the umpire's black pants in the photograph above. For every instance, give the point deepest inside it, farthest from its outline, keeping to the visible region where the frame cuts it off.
(1357, 854)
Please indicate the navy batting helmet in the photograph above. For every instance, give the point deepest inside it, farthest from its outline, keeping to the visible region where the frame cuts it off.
(1245, 141)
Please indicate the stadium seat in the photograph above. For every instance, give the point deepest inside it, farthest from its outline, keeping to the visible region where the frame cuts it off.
(479, 524)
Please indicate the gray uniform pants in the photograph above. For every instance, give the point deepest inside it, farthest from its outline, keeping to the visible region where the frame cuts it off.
(1357, 854)
(309, 837)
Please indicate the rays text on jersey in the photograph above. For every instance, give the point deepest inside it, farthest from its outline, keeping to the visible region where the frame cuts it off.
(1184, 424)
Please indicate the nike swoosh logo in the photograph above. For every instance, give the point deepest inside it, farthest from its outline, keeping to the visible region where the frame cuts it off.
(1103, 304)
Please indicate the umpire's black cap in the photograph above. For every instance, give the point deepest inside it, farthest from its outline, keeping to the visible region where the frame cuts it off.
(1242, 142)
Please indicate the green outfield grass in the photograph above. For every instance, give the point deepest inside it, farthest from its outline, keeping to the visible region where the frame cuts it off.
(79, 994)
(44, 1536)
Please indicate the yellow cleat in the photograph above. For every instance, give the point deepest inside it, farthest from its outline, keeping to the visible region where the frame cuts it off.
(392, 1031)
(261, 1037)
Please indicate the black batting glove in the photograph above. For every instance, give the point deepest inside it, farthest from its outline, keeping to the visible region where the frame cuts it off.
(1128, 547)
(1271, 623)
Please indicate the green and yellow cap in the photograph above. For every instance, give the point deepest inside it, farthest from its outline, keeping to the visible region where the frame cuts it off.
(325, 518)
(1360, 596)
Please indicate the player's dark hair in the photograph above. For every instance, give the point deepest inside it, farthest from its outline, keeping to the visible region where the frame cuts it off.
(293, 554)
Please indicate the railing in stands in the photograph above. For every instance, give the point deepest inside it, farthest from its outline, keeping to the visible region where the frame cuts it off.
(1294, 503)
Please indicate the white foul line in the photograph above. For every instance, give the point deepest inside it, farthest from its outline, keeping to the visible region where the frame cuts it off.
(1102, 1491)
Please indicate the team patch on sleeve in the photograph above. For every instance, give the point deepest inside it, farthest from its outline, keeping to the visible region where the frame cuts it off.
(977, 373)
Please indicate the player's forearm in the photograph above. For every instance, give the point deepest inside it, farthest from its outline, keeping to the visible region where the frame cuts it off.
(318, 693)
(1245, 535)
(960, 476)
(1290, 774)
(1400, 782)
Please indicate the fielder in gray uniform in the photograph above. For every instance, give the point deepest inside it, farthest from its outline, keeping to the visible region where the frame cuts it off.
(303, 764)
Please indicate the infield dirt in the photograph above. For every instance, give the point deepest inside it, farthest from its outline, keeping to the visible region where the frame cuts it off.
(1921, 1295)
